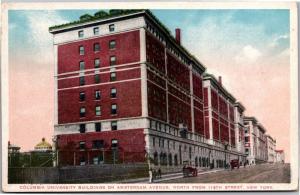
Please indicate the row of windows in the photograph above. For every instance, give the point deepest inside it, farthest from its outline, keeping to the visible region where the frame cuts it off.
(96, 47)
(98, 144)
(165, 159)
(113, 94)
(162, 39)
(161, 143)
(97, 62)
(96, 30)
(98, 126)
(113, 111)
(113, 77)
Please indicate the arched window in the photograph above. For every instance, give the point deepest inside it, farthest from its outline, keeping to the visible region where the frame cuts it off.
(175, 160)
(170, 160)
(155, 156)
(180, 157)
(165, 160)
(161, 158)
(200, 164)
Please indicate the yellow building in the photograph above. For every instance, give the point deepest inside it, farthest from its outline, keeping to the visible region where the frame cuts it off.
(43, 146)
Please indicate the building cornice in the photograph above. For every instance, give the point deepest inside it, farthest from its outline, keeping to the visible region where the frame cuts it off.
(220, 87)
(240, 106)
(250, 118)
(146, 13)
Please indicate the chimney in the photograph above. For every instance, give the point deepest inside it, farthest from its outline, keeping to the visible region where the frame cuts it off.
(220, 80)
(178, 35)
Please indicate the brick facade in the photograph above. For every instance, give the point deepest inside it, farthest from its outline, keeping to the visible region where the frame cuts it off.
(165, 105)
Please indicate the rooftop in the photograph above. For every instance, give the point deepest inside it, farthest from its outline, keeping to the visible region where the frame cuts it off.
(115, 14)
(250, 118)
(261, 127)
(211, 77)
(240, 105)
(43, 145)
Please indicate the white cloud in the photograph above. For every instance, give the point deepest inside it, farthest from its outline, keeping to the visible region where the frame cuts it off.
(216, 40)
(39, 23)
(276, 41)
(248, 54)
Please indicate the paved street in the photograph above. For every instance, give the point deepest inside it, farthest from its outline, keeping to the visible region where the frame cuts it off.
(266, 173)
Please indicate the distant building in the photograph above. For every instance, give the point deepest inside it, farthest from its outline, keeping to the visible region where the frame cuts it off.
(12, 149)
(43, 146)
(280, 157)
(221, 120)
(271, 145)
(13, 155)
(261, 144)
(239, 127)
(255, 141)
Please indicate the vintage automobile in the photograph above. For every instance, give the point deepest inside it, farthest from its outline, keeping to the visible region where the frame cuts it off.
(234, 163)
(189, 171)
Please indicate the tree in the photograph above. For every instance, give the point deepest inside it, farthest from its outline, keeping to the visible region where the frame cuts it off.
(85, 17)
(101, 14)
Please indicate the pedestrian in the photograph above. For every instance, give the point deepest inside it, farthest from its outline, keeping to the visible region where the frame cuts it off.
(150, 175)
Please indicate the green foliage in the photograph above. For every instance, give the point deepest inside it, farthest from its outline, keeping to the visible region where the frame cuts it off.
(119, 12)
(34, 159)
(85, 17)
(101, 14)
(97, 16)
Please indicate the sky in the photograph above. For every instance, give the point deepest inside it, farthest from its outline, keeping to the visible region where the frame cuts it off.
(248, 48)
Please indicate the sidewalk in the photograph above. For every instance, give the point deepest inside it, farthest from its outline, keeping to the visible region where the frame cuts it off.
(166, 177)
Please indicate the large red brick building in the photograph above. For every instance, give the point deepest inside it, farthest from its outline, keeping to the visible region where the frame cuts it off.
(126, 89)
